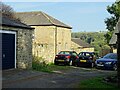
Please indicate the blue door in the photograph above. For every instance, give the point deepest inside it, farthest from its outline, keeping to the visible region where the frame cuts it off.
(8, 51)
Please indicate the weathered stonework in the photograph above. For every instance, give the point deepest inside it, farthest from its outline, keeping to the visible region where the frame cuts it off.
(23, 46)
(49, 40)
(50, 34)
(63, 39)
(114, 50)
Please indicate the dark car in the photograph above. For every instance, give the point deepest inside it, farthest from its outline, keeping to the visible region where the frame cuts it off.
(86, 59)
(109, 61)
(66, 58)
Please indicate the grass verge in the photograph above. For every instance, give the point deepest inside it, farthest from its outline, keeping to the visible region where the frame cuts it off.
(40, 64)
(96, 83)
(50, 68)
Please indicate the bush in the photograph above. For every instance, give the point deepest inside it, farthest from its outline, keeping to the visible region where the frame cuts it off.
(40, 64)
(39, 60)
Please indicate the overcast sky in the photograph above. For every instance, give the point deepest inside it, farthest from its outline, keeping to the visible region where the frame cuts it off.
(82, 16)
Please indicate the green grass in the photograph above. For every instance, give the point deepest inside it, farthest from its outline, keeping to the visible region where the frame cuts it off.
(50, 68)
(96, 83)
(40, 64)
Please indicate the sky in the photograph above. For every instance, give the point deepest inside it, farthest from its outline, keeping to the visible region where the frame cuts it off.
(82, 16)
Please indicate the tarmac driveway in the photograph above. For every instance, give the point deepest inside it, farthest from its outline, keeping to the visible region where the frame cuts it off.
(59, 79)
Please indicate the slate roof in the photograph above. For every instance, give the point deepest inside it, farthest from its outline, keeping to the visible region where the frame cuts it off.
(40, 18)
(4, 21)
(114, 36)
(80, 42)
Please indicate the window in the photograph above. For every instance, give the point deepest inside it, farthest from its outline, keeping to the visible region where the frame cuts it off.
(110, 56)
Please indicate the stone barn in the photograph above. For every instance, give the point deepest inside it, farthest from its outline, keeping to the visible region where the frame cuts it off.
(80, 46)
(15, 44)
(50, 34)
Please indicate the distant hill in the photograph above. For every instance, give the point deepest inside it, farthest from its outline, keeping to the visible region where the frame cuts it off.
(89, 37)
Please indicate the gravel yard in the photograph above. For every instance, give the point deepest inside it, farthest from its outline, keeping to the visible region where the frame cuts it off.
(59, 79)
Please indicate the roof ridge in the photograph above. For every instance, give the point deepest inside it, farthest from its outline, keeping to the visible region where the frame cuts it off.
(30, 12)
(47, 17)
(44, 17)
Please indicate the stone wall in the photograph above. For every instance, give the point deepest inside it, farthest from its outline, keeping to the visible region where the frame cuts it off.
(63, 39)
(114, 50)
(75, 47)
(44, 42)
(90, 49)
(23, 46)
(49, 40)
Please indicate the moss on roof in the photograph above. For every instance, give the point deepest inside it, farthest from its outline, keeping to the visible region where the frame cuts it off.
(39, 18)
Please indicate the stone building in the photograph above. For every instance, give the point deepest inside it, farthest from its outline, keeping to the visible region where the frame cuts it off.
(113, 41)
(50, 34)
(15, 44)
(80, 46)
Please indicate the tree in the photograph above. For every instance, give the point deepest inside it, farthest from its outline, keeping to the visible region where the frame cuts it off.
(111, 22)
(95, 39)
(8, 11)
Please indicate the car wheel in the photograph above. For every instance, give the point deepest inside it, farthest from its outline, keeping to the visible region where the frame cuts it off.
(115, 67)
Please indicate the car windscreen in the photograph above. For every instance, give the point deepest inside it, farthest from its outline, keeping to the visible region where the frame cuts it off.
(85, 54)
(110, 56)
(64, 52)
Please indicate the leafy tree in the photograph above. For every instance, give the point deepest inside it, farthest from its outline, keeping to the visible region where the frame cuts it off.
(111, 22)
(95, 39)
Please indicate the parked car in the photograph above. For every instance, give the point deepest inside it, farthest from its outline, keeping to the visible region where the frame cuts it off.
(86, 59)
(66, 58)
(109, 61)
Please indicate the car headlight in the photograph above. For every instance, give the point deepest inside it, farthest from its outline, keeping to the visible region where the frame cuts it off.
(108, 62)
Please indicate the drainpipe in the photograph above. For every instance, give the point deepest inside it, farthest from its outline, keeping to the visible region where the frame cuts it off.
(55, 40)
